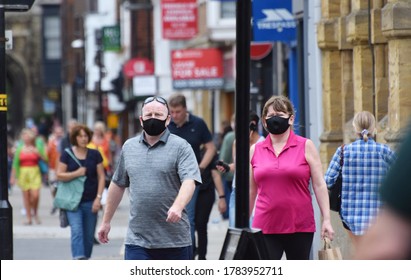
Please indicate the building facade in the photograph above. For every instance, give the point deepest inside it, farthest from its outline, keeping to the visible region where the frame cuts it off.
(366, 65)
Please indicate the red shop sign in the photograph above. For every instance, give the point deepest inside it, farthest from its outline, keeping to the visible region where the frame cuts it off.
(138, 67)
(197, 68)
(260, 50)
(179, 19)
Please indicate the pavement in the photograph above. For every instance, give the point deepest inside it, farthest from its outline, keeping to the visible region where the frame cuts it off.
(48, 241)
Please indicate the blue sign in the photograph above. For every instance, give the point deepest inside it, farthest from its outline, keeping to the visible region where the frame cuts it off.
(273, 21)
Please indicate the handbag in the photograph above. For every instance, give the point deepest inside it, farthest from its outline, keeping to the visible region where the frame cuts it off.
(44, 168)
(334, 192)
(69, 193)
(63, 218)
(328, 252)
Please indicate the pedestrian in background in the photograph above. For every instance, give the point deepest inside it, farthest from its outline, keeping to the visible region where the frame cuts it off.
(65, 142)
(160, 170)
(254, 137)
(365, 164)
(281, 168)
(26, 173)
(195, 131)
(83, 220)
(53, 154)
(389, 237)
(226, 155)
(212, 182)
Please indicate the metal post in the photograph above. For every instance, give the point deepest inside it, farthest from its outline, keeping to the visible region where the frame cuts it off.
(100, 63)
(242, 113)
(6, 213)
(100, 115)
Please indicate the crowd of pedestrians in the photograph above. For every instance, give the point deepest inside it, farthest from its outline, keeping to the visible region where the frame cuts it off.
(174, 173)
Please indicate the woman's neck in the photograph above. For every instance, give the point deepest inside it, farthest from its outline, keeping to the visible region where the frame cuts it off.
(280, 138)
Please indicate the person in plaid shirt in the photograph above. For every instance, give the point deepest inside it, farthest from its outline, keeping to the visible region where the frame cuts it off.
(365, 164)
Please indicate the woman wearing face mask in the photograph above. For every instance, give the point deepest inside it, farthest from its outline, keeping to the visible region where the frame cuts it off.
(280, 171)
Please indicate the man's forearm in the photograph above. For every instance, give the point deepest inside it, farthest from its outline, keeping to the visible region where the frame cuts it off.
(115, 194)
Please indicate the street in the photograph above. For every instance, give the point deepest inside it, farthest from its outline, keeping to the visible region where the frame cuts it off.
(47, 241)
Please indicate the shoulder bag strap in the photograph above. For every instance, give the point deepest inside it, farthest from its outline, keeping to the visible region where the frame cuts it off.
(72, 156)
(342, 156)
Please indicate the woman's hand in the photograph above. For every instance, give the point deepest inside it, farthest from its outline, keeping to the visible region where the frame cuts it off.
(222, 205)
(327, 230)
(96, 205)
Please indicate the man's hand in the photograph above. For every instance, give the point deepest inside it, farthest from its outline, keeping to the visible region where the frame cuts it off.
(103, 232)
(222, 166)
(174, 215)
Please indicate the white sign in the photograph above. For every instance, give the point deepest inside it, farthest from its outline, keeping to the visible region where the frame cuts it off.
(144, 85)
(9, 39)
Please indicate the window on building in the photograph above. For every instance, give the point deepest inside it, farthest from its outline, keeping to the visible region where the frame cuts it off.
(228, 9)
(52, 37)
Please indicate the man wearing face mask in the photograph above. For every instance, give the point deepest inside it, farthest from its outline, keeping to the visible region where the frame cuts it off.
(281, 168)
(160, 170)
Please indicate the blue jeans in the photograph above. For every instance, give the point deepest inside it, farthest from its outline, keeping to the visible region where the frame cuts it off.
(134, 252)
(231, 209)
(83, 224)
(191, 212)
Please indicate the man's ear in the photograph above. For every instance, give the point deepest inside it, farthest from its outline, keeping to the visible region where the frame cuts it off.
(168, 120)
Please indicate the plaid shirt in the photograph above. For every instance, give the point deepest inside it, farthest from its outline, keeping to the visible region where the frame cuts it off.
(365, 165)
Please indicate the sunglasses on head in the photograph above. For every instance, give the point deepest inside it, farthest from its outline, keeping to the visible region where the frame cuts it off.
(156, 98)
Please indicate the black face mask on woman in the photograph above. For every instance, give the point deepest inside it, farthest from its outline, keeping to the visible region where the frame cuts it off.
(154, 127)
(277, 125)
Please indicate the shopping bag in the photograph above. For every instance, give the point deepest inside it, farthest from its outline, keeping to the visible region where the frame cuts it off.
(69, 193)
(328, 252)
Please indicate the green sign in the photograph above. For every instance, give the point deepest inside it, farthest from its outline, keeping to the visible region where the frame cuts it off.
(111, 38)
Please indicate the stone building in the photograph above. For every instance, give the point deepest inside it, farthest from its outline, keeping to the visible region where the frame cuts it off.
(366, 65)
(23, 79)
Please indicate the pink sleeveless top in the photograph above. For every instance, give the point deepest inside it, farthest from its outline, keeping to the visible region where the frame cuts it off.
(283, 202)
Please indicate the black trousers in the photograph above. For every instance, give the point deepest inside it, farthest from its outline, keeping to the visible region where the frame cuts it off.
(205, 201)
(297, 246)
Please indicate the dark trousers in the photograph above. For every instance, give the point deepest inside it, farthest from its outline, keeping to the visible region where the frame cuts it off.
(297, 246)
(205, 201)
(134, 252)
(228, 187)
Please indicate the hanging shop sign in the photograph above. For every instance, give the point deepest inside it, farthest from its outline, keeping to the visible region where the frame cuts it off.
(197, 69)
(179, 19)
(17, 5)
(260, 50)
(111, 38)
(138, 67)
(273, 21)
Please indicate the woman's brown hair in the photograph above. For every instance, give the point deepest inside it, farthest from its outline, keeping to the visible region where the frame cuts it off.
(76, 131)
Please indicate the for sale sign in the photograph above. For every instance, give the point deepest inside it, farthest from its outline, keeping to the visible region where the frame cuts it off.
(179, 19)
(197, 69)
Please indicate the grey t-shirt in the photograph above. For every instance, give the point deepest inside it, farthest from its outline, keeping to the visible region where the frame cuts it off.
(154, 175)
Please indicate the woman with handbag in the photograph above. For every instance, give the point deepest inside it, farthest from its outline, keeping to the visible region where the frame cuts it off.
(365, 164)
(83, 220)
(281, 168)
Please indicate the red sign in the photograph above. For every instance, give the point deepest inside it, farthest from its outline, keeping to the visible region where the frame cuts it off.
(138, 67)
(197, 68)
(179, 19)
(260, 50)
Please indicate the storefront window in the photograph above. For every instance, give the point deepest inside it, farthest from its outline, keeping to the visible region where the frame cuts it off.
(228, 9)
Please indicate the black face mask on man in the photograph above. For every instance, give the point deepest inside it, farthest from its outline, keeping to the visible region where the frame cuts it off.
(154, 127)
(277, 125)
